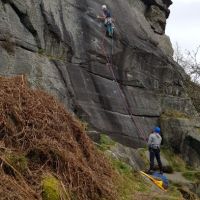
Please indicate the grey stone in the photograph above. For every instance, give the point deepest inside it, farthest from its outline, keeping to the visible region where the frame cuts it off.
(128, 155)
(61, 47)
(157, 19)
(183, 136)
(165, 44)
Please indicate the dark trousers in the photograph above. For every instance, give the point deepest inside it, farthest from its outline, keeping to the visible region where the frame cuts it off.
(155, 153)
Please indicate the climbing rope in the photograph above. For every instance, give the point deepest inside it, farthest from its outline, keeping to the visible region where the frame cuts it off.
(103, 48)
(110, 64)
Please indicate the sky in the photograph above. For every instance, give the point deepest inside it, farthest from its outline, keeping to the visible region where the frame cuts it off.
(183, 25)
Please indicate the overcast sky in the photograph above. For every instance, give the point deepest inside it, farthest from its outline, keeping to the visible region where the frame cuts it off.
(183, 25)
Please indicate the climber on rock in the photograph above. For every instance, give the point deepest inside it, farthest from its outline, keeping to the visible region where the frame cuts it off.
(154, 142)
(108, 21)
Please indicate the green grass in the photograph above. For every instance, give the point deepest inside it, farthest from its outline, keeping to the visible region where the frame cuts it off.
(122, 167)
(131, 185)
(177, 163)
(142, 152)
(41, 51)
(192, 175)
(174, 193)
(105, 142)
(128, 182)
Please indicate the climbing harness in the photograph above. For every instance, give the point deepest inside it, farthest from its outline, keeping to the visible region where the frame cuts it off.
(108, 23)
(141, 134)
(108, 20)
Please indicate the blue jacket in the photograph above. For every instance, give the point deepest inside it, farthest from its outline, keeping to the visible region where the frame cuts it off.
(107, 13)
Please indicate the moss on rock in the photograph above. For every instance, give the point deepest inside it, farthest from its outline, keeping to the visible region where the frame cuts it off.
(174, 114)
(18, 161)
(51, 188)
(106, 142)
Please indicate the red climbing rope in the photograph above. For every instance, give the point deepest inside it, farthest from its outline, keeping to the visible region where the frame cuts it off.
(110, 63)
(103, 48)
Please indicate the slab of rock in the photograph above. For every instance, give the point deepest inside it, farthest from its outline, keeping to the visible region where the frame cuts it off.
(61, 47)
(128, 155)
(183, 135)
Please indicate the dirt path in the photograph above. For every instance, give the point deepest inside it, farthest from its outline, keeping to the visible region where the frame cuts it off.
(154, 195)
(177, 177)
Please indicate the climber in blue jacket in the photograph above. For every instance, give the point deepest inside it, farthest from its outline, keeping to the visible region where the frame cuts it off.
(108, 21)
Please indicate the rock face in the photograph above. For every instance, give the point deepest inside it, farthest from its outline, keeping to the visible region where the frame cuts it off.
(128, 155)
(61, 46)
(183, 135)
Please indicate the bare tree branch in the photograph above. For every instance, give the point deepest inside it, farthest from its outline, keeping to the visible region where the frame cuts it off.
(189, 61)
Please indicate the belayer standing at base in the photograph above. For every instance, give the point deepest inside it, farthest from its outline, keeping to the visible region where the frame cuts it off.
(108, 21)
(154, 142)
